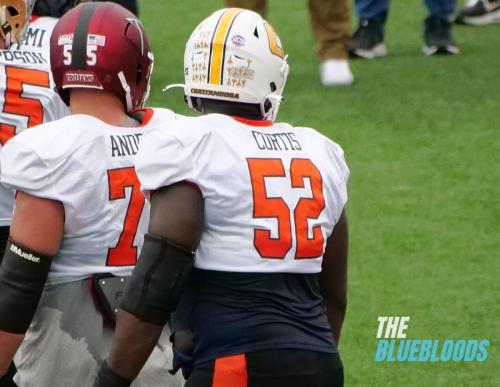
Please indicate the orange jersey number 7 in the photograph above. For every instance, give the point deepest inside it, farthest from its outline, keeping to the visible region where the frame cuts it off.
(125, 253)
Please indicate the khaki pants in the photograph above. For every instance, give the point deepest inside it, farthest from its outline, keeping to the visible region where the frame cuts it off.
(329, 20)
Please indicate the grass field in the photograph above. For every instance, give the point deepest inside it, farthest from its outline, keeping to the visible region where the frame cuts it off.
(422, 139)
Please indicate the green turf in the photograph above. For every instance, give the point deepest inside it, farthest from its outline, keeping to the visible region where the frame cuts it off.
(422, 139)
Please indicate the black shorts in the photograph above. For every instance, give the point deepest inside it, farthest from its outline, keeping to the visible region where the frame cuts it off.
(272, 368)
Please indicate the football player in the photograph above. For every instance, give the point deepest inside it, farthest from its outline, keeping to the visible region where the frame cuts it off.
(261, 203)
(78, 210)
(27, 97)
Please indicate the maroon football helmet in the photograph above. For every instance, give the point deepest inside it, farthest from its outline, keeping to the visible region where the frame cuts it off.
(101, 45)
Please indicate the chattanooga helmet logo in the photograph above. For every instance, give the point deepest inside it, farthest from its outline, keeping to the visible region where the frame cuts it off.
(399, 349)
(215, 93)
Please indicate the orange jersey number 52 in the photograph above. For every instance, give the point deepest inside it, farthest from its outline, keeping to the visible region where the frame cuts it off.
(276, 207)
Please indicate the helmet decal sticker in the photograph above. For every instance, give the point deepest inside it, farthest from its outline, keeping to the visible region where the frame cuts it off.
(238, 40)
(217, 46)
(274, 41)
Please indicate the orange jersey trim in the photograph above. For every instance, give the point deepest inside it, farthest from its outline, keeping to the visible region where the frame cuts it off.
(148, 114)
(230, 371)
(252, 122)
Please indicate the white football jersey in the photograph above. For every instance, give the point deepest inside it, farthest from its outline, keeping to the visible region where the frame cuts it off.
(27, 96)
(88, 166)
(272, 192)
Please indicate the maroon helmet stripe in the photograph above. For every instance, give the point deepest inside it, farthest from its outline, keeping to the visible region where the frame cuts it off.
(80, 36)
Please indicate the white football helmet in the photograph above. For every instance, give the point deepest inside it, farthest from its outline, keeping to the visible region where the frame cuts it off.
(14, 18)
(235, 55)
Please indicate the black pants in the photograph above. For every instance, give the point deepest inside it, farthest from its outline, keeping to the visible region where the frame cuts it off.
(274, 368)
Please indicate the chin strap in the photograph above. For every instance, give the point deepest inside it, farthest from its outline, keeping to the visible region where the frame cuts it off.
(188, 99)
(275, 100)
(126, 88)
(173, 86)
(276, 97)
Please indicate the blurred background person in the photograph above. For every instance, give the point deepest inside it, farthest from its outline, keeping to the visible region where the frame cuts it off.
(479, 12)
(131, 5)
(330, 23)
(57, 8)
(368, 39)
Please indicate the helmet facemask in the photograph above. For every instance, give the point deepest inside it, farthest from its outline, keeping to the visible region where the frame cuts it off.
(14, 19)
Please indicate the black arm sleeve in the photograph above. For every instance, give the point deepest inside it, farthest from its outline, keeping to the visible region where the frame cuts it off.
(22, 277)
(158, 280)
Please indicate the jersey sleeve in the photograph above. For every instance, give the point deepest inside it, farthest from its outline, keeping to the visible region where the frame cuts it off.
(21, 168)
(342, 170)
(339, 159)
(30, 162)
(162, 160)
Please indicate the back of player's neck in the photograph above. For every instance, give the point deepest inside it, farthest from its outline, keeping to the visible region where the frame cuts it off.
(104, 106)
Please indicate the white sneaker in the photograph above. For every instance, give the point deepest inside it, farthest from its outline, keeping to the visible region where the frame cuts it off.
(335, 72)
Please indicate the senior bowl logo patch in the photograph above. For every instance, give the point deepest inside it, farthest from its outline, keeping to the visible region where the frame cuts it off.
(238, 40)
(65, 39)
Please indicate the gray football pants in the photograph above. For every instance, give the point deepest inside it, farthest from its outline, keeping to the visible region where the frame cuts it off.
(67, 341)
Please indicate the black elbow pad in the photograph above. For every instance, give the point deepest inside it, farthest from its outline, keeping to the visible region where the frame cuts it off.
(158, 280)
(22, 278)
